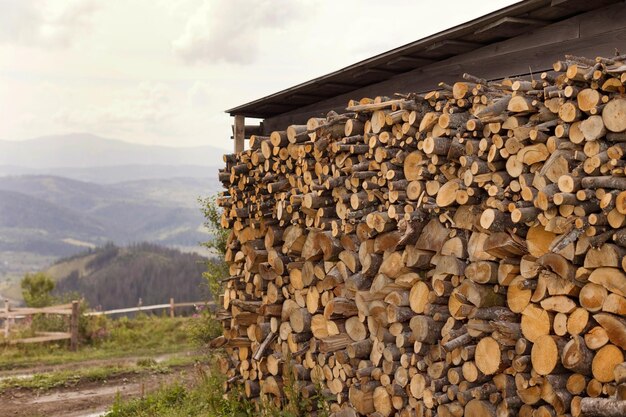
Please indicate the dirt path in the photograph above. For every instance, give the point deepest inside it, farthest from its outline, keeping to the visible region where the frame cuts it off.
(119, 361)
(86, 399)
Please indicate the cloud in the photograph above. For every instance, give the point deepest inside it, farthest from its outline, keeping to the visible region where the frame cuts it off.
(44, 23)
(147, 107)
(232, 30)
(200, 94)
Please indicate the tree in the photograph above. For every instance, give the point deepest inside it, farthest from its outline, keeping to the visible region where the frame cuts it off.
(216, 267)
(37, 290)
(207, 328)
(213, 214)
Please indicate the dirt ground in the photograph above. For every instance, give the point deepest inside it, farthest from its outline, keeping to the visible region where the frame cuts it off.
(124, 361)
(89, 399)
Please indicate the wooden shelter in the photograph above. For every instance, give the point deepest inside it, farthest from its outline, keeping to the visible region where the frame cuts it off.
(450, 239)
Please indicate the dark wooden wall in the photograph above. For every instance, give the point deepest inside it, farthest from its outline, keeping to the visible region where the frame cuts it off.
(590, 34)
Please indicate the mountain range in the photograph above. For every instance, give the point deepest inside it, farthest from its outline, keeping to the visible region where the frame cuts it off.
(86, 157)
(62, 194)
(83, 150)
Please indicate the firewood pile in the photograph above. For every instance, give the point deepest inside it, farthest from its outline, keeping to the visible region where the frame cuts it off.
(454, 253)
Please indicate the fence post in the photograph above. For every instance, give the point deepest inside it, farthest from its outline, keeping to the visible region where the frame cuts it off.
(172, 307)
(7, 328)
(74, 327)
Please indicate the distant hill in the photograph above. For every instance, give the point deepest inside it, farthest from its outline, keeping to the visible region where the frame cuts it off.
(118, 173)
(91, 158)
(83, 150)
(22, 211)
(30, 224)
(115, 277)
(58, 216)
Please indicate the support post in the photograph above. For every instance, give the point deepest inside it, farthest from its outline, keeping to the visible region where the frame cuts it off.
(7, 328)
(74, 326)
(240, 134)
(172, 307)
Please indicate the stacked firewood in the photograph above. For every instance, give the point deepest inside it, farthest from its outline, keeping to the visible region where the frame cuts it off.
(455, 253)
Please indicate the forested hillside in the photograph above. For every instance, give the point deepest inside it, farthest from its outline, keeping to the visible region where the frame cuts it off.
(50, 215)
(116, 277)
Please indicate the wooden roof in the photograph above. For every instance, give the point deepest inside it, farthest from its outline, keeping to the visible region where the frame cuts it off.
(509, 22)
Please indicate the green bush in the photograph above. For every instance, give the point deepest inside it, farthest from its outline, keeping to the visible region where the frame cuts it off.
(37, 290)
(203, 327)
(216, 267)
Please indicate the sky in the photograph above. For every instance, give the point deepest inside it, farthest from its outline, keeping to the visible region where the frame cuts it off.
(162, 72)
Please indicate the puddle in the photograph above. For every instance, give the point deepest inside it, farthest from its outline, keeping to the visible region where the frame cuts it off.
(73, 395)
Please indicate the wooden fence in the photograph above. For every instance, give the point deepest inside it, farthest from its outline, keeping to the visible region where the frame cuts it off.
(172, 306)
(11, 313)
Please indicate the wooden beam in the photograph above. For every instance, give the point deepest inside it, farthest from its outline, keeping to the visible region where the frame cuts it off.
(240, 133)
(408, 61)
(340, 86)
(249, 130)
(372, 71)
(512, 20)
(7, 328)
(451, 47)
(47, 337)
(149, 308)
(74, 326)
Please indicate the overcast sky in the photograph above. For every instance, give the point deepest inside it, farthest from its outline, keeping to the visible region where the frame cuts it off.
(163, 71)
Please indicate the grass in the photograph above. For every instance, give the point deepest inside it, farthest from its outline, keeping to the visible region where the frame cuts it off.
(204, 399)
(144, 335)
(208, 398)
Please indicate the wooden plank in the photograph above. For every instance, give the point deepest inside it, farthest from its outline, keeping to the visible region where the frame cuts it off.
(30, 311)
(605, 20)
(448, 48)
(58, 306)
(508, 27)
(576, 5)
(208, 303)
(407, 62)
(50, 333)
(7, 324)
(74, 326)
(337, 86)
(367, 72)
(127, 310)
(49, 337)
(147, 308)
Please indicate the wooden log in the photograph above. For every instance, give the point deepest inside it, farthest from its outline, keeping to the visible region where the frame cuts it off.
(456, 253)
(602, 407)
